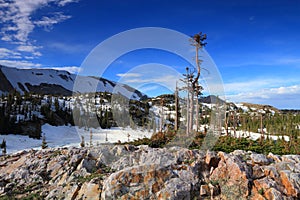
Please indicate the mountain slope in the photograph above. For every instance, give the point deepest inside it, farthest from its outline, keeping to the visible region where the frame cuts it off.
(56, 82)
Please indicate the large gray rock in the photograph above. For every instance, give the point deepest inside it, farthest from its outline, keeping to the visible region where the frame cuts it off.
(259, 159)
(128, 172)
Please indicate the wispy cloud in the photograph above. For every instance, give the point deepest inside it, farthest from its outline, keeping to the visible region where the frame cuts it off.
(69, 48)
(18, 23)
(279, 92)
(164, 80)
(254, 84)
(20, 64)
(151, 74)
(129, 75)
(28, 65)
(64, 2)
(259, 84)
(31, 49)
(6, 53)
(281, 97)
(149, 88)
(48, 22)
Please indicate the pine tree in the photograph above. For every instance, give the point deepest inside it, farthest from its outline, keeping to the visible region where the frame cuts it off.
(82, 144)
(4, 151)
(44, 143)
(3, 144)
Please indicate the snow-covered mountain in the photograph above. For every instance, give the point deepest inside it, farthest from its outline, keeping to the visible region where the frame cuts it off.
(58, 82)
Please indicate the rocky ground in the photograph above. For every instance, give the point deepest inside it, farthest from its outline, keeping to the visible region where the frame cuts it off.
(128, 172)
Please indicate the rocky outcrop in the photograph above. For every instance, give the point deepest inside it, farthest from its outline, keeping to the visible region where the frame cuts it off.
(128, 172)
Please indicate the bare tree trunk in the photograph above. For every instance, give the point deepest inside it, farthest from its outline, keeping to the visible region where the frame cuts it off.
(191, 111)
(234, 124)
(187, 108)
(198, 43)
(161, 115)
(176, 108)
(226, 123)
(192, 90)
(197, 113)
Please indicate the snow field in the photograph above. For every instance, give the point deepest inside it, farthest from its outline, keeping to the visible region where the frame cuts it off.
(65, 136)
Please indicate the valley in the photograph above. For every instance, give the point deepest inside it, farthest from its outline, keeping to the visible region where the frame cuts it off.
(101, 117)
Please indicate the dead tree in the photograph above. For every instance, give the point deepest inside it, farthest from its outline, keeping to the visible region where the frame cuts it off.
(176, 108)
(198, 42)
(192, 87)
(161, 115)
(91, 138)
(198, 93)
(192, 81)
(187, 80)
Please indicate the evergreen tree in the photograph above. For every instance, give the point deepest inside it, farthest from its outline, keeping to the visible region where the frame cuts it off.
(4, 151)
(44, 143)
(82, 144)
(3, 144)
(38, 129)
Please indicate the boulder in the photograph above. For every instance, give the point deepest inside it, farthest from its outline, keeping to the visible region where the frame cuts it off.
(273, 194)
(232, 175)
(141, 182)
(128, 172)
(273, 157)
(291, 182)
(259, 159)
(90, 191)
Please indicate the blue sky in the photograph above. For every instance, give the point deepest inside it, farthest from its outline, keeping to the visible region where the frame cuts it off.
(255, 44)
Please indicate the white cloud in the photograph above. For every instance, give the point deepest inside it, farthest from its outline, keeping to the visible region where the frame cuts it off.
(276, 91)
(27, 65)
(27, 48)
(69, 48)
(48, 22)
(146, 89)
(281, 97)
(6, 53)
(64, 2)
(28, 57)
(17, 15)
(256, 84)
(17, 21)
(129, 75)
(151, 74)
(6, 38)
(167, 81)
(19, 64)
(291, 90)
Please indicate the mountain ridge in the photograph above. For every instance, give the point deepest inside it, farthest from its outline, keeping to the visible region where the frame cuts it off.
(58, 82)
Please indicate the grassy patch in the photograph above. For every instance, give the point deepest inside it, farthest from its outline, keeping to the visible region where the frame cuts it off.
(224, 143)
